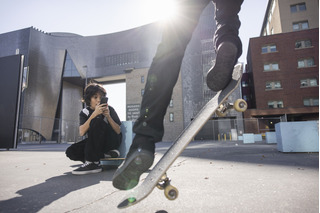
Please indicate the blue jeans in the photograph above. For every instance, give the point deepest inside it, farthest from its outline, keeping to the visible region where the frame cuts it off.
(165, 67)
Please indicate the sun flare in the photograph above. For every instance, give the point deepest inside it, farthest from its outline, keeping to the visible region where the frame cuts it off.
(159, 9)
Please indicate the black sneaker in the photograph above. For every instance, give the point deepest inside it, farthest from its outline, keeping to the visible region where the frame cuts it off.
(112, 154)
(220, 74)
(139, 159)
(128, 174)
(87, 168)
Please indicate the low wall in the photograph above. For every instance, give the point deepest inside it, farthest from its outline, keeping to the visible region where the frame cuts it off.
(298, 136)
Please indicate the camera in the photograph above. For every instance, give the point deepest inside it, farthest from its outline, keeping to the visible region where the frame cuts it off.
(104, 100)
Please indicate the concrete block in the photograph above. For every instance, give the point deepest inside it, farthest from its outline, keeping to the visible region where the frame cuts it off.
(248, 138)
(298, 136)
(258, 137)
(127, 137)
(234, 134)
(271, 137)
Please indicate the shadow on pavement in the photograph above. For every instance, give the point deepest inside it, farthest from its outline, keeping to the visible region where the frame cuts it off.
(34, 198)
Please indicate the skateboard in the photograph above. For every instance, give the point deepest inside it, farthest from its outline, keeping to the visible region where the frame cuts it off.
(157, 176)
(111, 161)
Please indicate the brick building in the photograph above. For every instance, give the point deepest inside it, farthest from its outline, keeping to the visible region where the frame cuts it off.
(284, 69)
(282, 73)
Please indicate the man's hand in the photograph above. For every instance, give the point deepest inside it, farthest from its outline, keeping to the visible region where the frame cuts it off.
(100, 109)
(106, 111)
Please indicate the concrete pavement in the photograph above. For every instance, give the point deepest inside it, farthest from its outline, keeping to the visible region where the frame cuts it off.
(211, 177)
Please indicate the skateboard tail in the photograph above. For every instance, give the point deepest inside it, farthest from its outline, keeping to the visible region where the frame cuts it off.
(126, 203)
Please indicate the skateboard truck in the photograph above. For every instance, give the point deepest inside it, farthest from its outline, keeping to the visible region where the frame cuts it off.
(170, 191)
(239, 105)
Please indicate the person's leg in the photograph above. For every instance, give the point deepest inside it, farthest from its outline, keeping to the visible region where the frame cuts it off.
(113, 141)
(228, 23)
(93, 150)
(97, 134)
(76, 151)
(162, 77)
(165, 68)
(227, 43)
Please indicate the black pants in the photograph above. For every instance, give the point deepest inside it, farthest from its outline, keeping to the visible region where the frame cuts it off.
(165, 67)
(101, 139)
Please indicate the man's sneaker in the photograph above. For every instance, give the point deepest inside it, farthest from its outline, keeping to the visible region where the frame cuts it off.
(87, 168)
(112, 154)
(220, 74)
(139, 159)
(128, 174)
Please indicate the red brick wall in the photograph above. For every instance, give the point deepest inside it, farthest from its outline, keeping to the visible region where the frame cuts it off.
(289, 74)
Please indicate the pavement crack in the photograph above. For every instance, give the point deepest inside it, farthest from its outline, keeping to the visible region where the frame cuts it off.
(92, 202)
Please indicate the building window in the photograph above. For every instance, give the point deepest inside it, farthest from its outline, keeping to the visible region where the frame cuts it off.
(300, 26)
(303, 44)
(311, 102)
(275, 104)
(142, 92)
(298, 7)
(171, 117)
(310, 82)
(271, 67)
(70, 70)
(122, 59)
(305, 62)
(269, 48)
(171, 103)
(245, 84)
(246, 98)
(142, 79)
(272, 85)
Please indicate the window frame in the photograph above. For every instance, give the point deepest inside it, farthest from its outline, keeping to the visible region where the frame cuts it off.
(300, 26)
(308, 83)
(271, 66)
(303, 44)
(171, 116)
(269, 48)
(273, 85)
(275, 103)
(305, 62)
(312, 102)
(297, 7)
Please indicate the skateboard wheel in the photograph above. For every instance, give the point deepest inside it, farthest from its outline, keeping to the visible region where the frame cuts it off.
(171, 192)
(221, 112)
(240, 105)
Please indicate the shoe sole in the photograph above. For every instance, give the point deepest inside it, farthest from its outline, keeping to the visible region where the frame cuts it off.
(86, 172)
(128, 175)
(220, 74)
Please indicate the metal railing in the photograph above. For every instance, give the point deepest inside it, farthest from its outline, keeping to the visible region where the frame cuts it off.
(230, 129)
(42, 129)
(35, 129)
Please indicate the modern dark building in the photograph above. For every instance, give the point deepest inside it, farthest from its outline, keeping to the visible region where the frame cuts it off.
(60, 64)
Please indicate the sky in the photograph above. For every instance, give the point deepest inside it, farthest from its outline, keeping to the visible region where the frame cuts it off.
(97, 17)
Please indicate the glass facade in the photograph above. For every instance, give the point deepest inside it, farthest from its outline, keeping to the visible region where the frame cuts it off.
(70, 69)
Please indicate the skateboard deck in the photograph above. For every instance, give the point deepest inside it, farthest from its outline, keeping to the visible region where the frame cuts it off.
(111, 161)
(157, 176)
